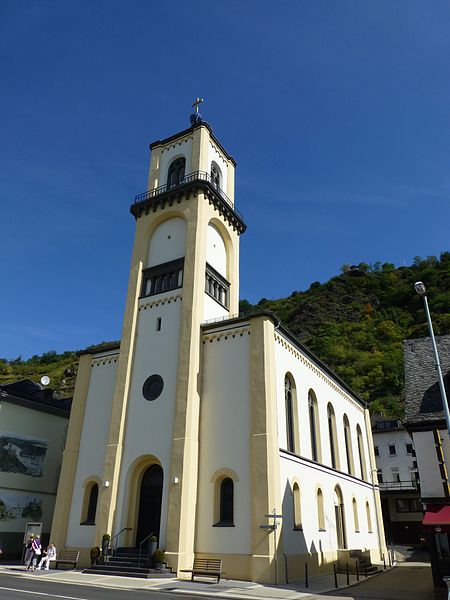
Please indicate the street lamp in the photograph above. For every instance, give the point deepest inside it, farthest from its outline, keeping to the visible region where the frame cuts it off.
(422, 291)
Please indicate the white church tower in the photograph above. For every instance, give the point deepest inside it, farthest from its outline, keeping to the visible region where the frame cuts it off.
(203, 421)
(144, 439)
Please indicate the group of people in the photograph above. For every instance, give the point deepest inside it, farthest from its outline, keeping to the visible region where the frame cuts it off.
(36, 557)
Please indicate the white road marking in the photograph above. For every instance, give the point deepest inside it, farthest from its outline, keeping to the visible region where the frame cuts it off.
(41, 594)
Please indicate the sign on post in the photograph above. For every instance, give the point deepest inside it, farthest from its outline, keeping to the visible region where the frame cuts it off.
(32, 529)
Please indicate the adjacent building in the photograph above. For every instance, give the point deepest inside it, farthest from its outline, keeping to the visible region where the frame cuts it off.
(33, 427)
(425, 420)
(398, 477)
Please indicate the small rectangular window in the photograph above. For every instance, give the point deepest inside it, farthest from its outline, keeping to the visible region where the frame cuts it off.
(409, 448)
(392, 450)
(158, 324)
(377, 452)
(395, 475)
(380, 475)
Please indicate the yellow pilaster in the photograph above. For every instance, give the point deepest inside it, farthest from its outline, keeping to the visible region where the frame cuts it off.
(113, 454)
(71, 452)
(184, 457)
(265, 466)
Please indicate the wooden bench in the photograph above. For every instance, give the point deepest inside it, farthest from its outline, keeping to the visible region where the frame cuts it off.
(67, 557)
(206, 567)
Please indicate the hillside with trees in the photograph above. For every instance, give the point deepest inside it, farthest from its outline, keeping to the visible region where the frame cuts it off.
(355, 323)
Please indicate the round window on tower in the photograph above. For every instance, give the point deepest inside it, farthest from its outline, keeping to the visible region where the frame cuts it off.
(153, 386)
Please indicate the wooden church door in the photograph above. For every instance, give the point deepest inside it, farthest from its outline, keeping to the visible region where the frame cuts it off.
(150, 499)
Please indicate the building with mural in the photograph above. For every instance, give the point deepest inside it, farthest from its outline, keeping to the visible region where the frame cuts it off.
(33, 429)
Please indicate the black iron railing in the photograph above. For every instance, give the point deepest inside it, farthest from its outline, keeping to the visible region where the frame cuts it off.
(190, 178)
(399, 485)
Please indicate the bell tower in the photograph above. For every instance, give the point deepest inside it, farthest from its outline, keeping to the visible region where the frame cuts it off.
(184, 271)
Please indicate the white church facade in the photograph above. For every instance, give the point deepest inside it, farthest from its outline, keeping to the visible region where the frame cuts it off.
(202, 423)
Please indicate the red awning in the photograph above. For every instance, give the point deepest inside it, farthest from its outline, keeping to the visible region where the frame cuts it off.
(436, 514)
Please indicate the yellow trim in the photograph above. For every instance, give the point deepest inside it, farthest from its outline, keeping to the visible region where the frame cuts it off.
(382, 550)
(87, 487)
(71, 452)
(264, 454)
(136, 472)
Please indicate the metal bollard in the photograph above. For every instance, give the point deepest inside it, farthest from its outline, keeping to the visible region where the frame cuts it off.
(335, 576)
(306, 575)
(389, 557)
(348, 576)
(357, 571)
(384, 563)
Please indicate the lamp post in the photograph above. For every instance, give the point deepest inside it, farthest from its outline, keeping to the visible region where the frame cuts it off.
(422, 291)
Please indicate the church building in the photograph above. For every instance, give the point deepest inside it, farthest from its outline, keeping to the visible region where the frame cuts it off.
(203, 424)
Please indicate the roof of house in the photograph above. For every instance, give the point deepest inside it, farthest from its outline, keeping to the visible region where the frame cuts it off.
(32, 395)
(422, 394)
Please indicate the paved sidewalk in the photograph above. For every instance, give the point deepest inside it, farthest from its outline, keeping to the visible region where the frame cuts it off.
(226, 588)
(403, 582)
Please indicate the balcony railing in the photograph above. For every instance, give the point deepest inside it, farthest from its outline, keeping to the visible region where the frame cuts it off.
(190, 178)
(399, 485)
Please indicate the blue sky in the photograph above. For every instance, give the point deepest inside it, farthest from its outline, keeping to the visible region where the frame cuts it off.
(337, 113)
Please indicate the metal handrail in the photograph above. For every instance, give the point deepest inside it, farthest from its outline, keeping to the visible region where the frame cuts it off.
(114, 538)
(194, 176)
(140, 545)
(399, 485)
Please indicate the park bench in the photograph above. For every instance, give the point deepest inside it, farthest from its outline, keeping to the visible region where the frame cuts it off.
(206, 567)
(67, 557)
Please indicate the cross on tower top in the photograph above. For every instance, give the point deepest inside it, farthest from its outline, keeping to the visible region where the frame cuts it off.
(196, 103)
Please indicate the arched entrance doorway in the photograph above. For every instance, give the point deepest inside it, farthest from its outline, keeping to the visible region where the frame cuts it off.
(340, 520)
(150, 499)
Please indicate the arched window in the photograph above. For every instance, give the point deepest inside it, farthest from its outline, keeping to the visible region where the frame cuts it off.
(332, 435)
(291, 415)
(340, 518)
(369, 518)
(226, 503)
(90, 504)
(314, 427)
(320, 510)
(297, 507)
(355, 515)
(361, 454)
(348, 446)
(215, 175)
(175, 174)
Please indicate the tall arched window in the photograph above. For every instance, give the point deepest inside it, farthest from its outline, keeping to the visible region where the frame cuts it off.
(332, 435)
(340, 518)
(297, 507)
(355, 515)
(320, 510)
(226, 503)
(314, 427)
(175, 174)
(369, 518)
(291, 414)
(361, 454)
(90, 504)
(348, 446)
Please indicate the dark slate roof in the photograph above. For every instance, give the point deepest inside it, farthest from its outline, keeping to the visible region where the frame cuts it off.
(422, 393)
(33, 395)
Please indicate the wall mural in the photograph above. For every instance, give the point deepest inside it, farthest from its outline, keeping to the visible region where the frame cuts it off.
(20, 507)
(19, 454)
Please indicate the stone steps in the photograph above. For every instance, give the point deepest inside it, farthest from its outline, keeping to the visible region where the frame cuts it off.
(126, 562)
